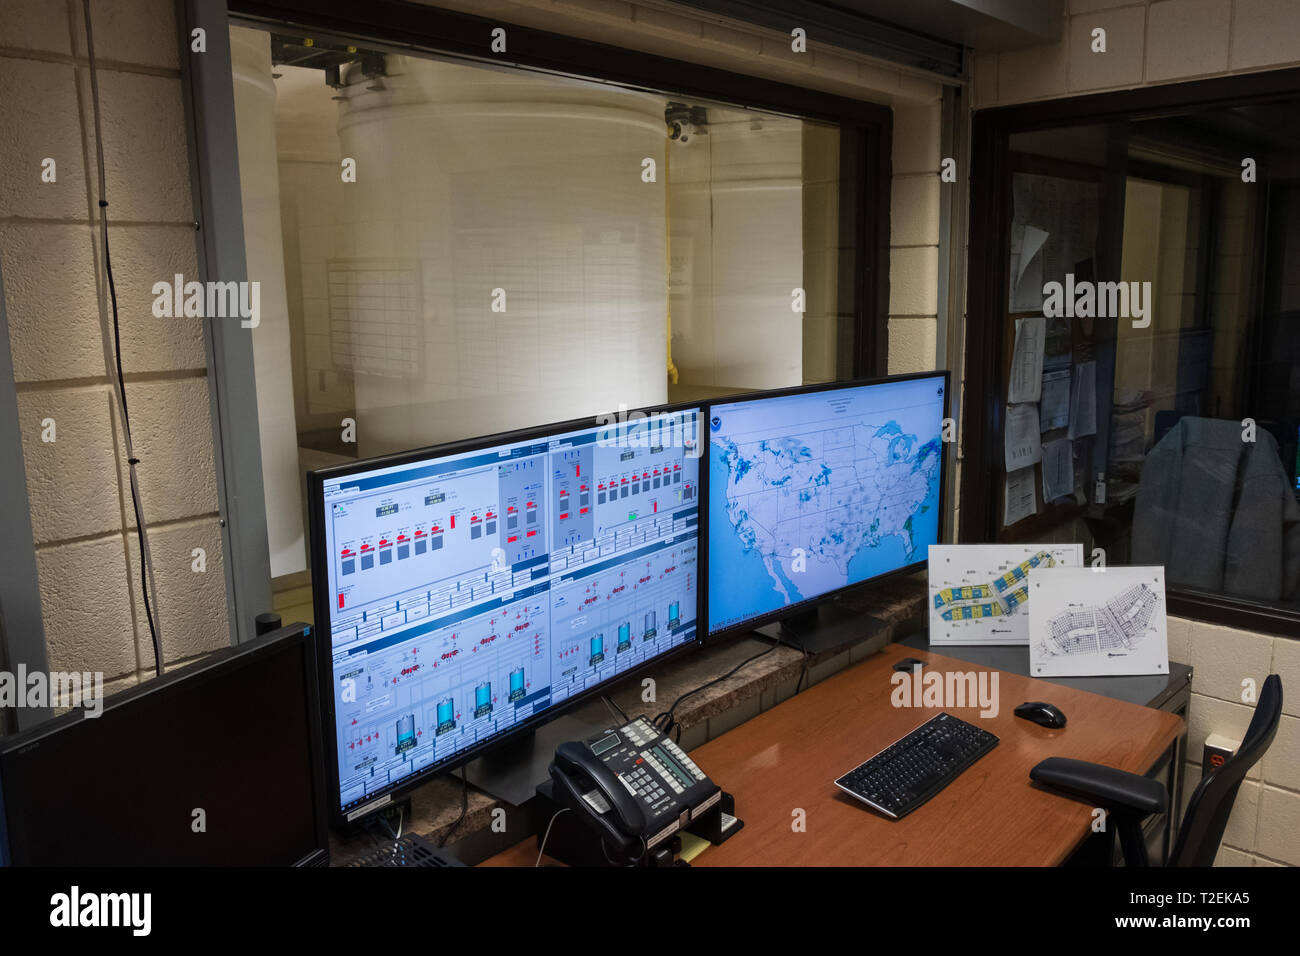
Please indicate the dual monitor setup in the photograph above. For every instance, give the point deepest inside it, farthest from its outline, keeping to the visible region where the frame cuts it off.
(466, 595)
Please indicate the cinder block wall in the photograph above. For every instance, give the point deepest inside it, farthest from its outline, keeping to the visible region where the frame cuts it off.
(914, 238)
(61, 333)
(1162, 42)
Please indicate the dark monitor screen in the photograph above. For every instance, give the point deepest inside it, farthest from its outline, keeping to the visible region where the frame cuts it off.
(812, 490)
(470, 590)
(218, 764)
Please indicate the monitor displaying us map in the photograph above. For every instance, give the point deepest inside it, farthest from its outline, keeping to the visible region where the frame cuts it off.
(814, 491)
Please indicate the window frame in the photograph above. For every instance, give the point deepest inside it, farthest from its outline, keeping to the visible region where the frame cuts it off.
(866, 131)
(991, 130)
(866, 128)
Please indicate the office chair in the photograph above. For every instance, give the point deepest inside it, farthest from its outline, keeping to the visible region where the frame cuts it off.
(1129, 798)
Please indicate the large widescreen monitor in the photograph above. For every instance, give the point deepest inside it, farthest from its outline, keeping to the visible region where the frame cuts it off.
(814, 489)
(466, 592)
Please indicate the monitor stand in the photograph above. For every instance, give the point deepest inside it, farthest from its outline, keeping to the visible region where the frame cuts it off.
(829, 625)
(512, 771)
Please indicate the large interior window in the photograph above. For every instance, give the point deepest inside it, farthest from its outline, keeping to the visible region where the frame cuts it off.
(1167, 409)
(448, 249)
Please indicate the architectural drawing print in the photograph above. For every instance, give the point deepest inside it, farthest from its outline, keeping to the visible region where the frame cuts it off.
(1094, 621)
(979, 594)
(1114, 629)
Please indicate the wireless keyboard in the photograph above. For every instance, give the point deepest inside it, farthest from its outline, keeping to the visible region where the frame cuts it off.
(410, 850)
(903, 776)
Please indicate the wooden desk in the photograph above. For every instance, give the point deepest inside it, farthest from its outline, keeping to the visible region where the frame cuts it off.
(992, 815)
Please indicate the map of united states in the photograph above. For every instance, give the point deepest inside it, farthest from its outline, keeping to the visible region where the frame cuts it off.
(815, 501)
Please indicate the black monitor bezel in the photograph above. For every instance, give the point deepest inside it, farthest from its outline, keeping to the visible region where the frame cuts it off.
(318, 559)
(217, 664)
(810, 604)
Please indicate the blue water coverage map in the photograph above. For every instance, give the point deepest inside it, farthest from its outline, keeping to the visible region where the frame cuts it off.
(796, 516)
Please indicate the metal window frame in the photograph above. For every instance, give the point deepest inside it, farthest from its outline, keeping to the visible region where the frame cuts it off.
(22, 628)
(210, 115)
(989, 220)
(209, 95)
(950, 342)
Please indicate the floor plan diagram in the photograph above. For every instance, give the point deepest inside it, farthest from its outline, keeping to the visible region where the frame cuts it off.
(1099, 621)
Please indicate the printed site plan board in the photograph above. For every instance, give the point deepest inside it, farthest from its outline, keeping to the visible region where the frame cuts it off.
(1098, 621)
(979, 593)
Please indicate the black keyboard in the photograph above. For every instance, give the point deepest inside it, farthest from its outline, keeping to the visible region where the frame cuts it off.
(902, 777)
(410, 850)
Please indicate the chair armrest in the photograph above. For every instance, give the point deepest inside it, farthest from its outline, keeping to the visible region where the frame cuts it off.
(1107, 787)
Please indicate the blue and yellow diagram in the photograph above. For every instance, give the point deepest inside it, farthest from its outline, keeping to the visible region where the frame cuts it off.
(1000, 598)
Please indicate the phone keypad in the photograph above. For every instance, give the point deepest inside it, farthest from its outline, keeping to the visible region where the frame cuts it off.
(644, 784)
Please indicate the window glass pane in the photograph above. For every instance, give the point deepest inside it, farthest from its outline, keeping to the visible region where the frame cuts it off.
(447, 250)
(1191, 361)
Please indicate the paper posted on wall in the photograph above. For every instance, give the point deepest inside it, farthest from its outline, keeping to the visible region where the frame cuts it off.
(1027, 360)
(1020, 502)
(1058, 469)
(1054, 409)
(1083, 400)
(1022, 439)
(1027, 267)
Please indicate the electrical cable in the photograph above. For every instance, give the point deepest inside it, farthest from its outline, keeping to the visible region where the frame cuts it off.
(614, 709)
(401, 812)
(464, 810)
(547, 835)
(665, 722)
(147, 582)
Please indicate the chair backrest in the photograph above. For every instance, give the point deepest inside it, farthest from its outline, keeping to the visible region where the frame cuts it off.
(1207, 812)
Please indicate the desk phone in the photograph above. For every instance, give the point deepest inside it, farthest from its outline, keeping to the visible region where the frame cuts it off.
(633, 785)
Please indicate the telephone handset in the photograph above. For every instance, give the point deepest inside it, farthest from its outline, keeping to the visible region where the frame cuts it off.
(617, 817)
(633, 785)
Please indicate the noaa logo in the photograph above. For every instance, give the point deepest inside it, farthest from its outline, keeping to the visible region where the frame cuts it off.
(715, 423)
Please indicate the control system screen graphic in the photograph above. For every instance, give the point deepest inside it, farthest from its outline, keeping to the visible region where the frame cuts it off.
(470, 592)
(814, 491)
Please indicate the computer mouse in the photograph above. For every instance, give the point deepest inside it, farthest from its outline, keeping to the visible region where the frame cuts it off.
(1041, 713)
